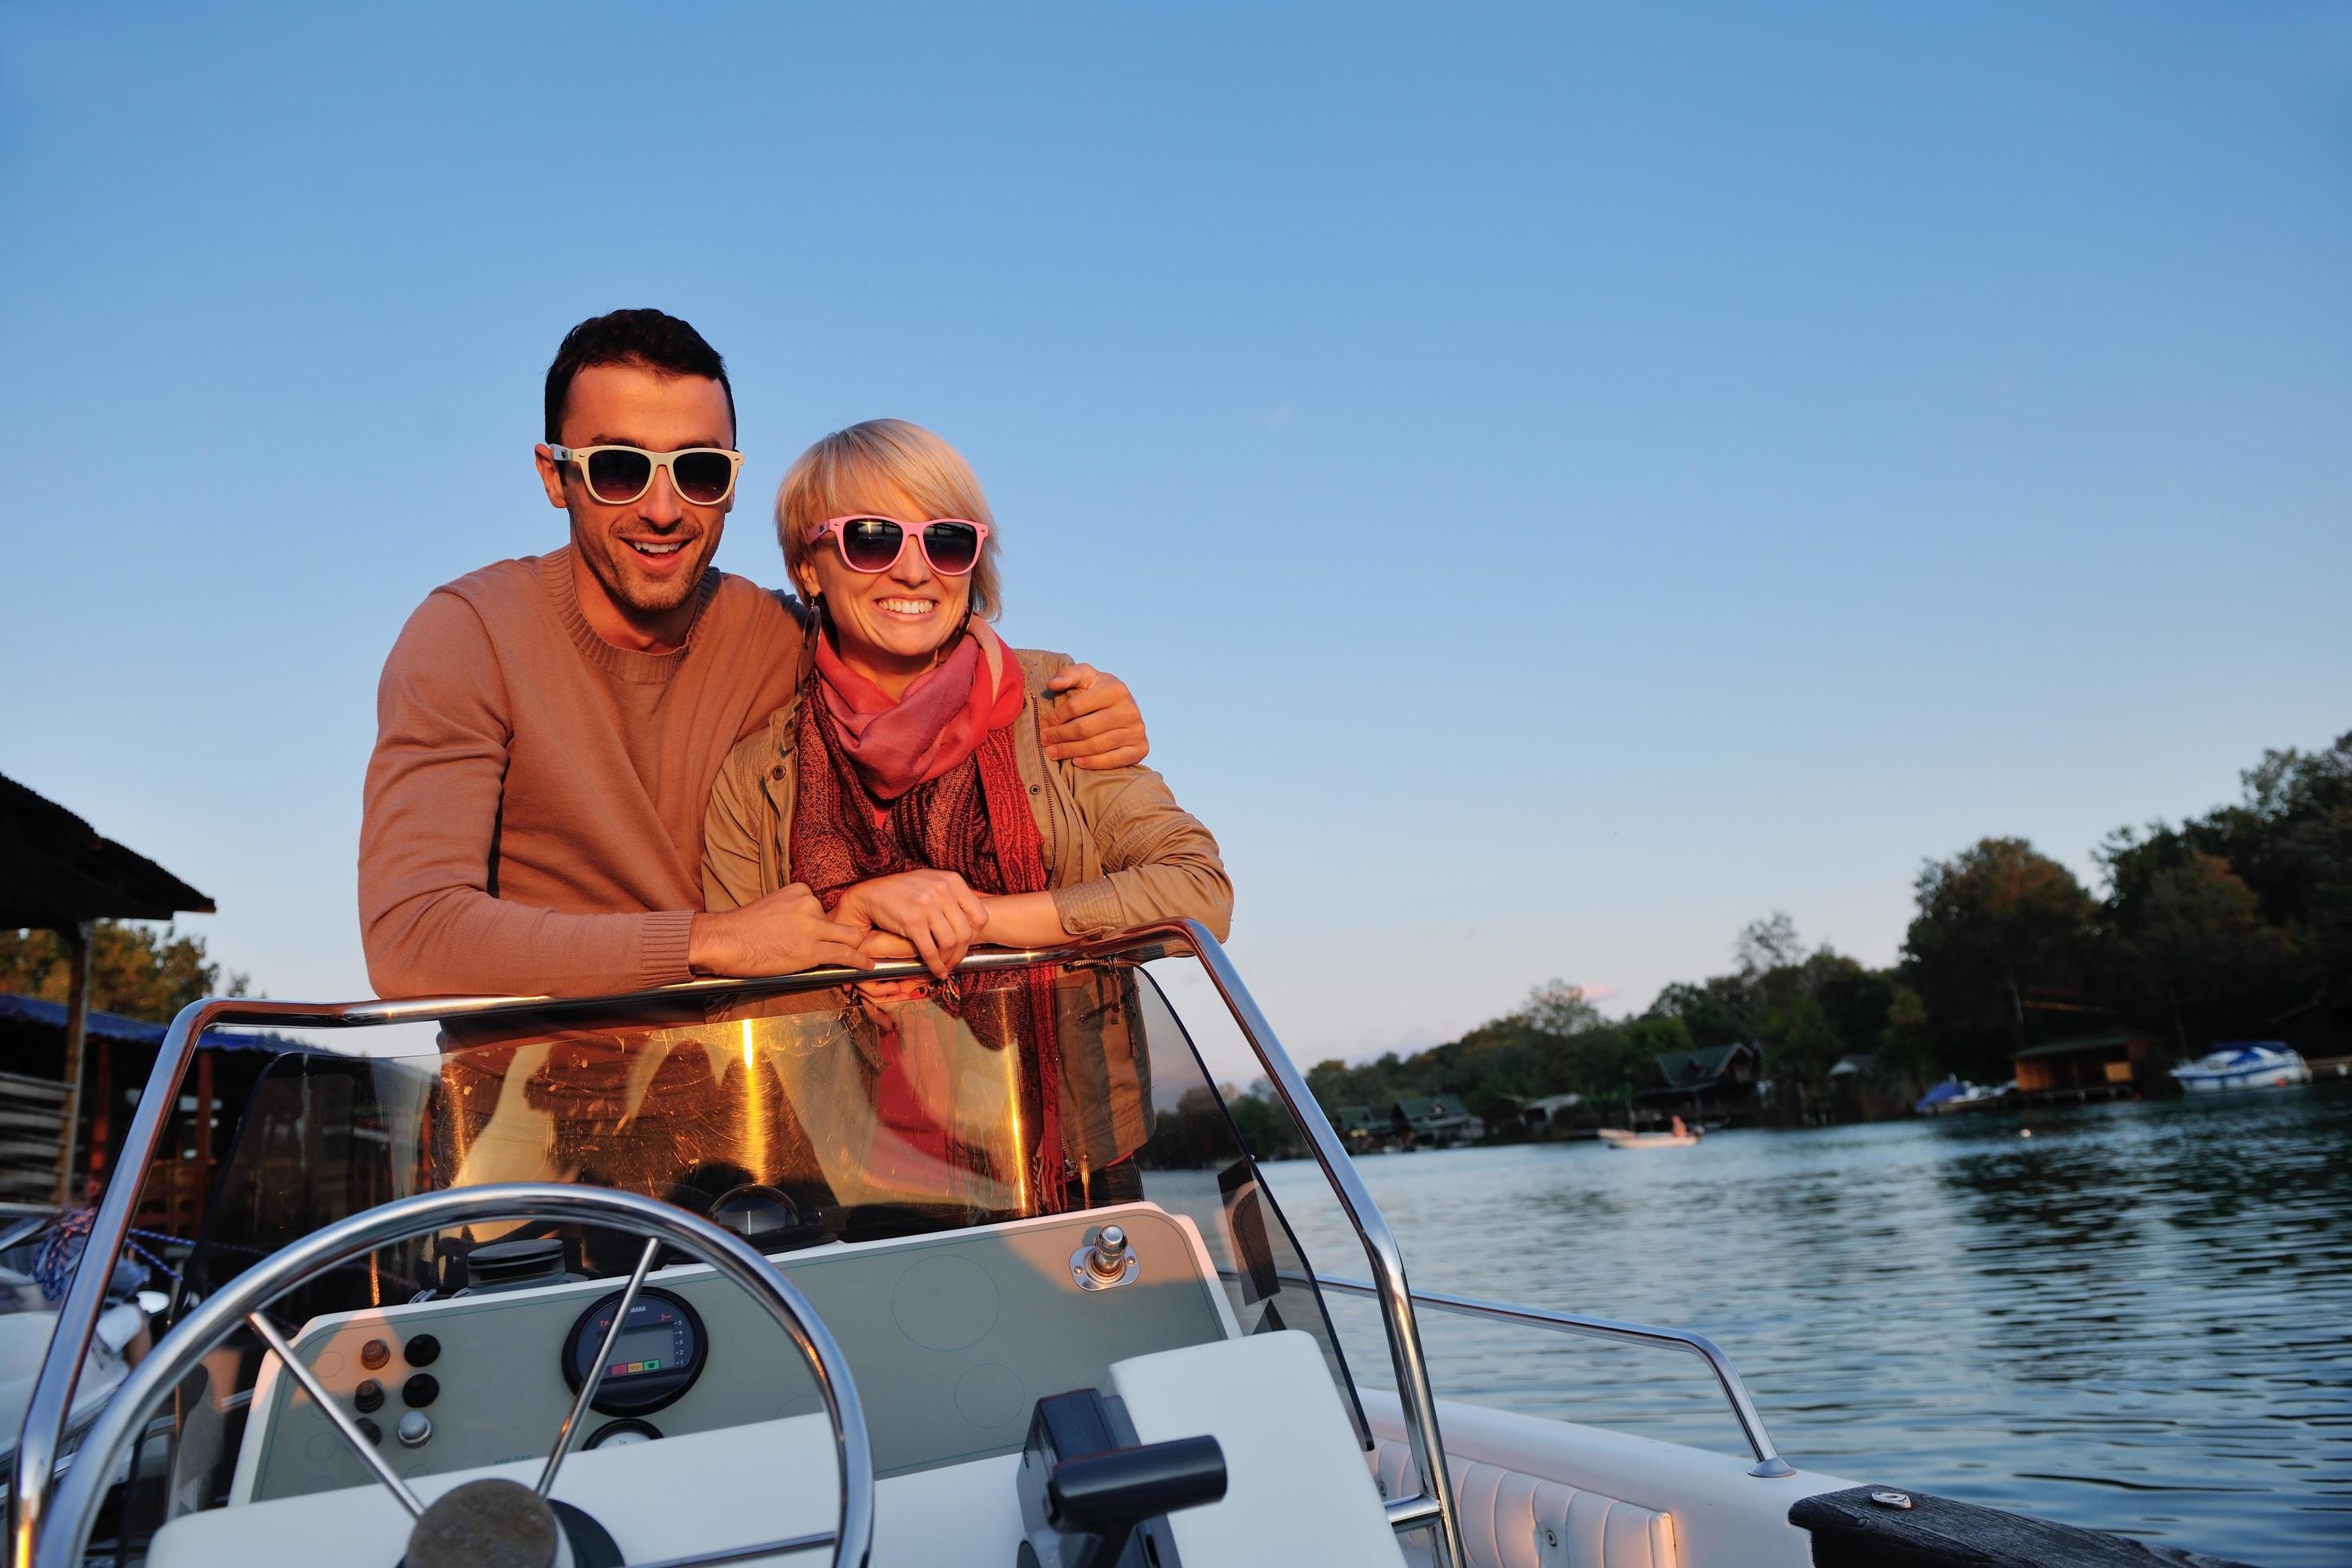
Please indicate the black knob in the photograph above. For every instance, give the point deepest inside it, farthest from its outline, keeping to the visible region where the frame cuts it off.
(420, 1391)
(375, 1353)
(368, 1396)
(424, 1350)
(369, 1431)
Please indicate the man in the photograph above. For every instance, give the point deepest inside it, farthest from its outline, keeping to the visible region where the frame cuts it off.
(549, 728)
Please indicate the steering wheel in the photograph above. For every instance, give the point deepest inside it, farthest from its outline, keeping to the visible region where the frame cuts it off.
(516, 1515)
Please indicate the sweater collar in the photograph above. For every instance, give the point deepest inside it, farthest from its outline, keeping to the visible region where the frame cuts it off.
(622, 663)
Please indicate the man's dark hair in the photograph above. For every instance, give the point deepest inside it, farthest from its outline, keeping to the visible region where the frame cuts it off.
(658, 342)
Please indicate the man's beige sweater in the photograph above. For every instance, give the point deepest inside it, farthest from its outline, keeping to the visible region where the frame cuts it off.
(533, 813)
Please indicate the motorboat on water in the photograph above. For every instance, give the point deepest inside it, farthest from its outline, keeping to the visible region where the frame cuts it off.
(1624, 1137)
(1958, 1094)
(2243, 1064)
(779, 1271)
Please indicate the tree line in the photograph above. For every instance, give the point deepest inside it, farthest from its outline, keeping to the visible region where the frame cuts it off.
(2205, 929)
(135, 970)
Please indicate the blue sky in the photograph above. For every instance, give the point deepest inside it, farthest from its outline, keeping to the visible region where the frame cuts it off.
(1565, 482)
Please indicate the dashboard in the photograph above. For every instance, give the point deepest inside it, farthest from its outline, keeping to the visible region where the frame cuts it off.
(951, 1338)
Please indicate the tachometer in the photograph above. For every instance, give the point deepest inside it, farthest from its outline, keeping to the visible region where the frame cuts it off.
(659, 1354)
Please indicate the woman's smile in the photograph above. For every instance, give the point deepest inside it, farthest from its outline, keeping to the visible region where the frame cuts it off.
(901, 618)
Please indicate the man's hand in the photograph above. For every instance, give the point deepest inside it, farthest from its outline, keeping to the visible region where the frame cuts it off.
(1095, 723)
(933, 910)
(786, 931)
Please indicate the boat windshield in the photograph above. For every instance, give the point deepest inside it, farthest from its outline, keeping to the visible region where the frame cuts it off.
(794, 1117)
(802, 1113)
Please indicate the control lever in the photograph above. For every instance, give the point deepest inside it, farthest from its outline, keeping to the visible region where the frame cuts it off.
(1092, 1497)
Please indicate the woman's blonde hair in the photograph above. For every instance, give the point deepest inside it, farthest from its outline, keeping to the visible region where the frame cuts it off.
(843, 472)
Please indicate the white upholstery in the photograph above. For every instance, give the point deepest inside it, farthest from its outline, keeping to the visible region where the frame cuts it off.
(1297, 1490)
(1502, 1512)
(699, 1491)
(1712, 1513)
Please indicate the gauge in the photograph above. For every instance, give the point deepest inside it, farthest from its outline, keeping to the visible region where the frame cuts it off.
(655, 1357)
(620, 1434)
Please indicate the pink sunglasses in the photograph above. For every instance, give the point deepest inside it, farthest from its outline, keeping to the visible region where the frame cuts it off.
(869, 543)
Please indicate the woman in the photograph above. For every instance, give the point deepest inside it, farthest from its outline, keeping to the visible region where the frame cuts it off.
(906, 786)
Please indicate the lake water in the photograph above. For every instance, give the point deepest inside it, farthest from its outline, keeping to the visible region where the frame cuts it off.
(2138, 1319)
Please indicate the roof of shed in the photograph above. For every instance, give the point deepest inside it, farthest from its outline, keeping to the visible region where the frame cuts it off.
(1690, 1068)
(55, 871)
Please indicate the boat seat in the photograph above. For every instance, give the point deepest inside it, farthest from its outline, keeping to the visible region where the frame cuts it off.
(1295, 1488)
(1503, 1513)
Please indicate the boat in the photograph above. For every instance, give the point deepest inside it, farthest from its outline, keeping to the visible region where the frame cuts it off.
(1956, 1094)
(1620, 1137)
(668, 1278)
(2243, 1064)
(32, 1245)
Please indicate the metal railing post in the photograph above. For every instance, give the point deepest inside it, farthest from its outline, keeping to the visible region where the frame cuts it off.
(1395, 1296)
(46, 1413)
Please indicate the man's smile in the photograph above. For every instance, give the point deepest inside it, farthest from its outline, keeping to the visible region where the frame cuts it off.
(660, 553)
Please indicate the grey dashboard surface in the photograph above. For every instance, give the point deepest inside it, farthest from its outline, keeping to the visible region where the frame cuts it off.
(951, 1339)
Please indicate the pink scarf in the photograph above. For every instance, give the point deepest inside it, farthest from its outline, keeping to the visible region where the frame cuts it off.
(939, 720)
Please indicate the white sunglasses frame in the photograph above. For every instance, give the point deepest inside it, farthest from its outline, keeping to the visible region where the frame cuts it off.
(662, 461)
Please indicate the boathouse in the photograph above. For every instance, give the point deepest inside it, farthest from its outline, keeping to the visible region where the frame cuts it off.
(1860, 1091)
(1357, 1126)
(120, 1053)
(57, 874)
(1721, 1083)
(1432, 1120)
(1551, 1113)
(2090, 1067)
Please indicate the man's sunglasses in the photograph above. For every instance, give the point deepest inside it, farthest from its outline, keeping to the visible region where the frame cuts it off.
(619, 475)
(952, 544)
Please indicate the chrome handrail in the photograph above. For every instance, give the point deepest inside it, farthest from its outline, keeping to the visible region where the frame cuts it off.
(45, 1416)
(1770, 1465)
(1414, 1395)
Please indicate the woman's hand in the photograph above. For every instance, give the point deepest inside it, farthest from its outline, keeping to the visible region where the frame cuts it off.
(935, 910)
(881, 999)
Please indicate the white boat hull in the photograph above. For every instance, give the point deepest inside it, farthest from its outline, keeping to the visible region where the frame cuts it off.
(2272, 1077)
(1617, 1138)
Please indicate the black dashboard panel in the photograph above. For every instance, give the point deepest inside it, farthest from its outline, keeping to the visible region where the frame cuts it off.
(661, 1350)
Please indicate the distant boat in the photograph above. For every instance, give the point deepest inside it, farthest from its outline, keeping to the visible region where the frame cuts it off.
(1959, 1094)
(2243, 1064)
(1619, 1138)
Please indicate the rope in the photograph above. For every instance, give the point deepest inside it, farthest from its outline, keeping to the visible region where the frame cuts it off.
(54, 1264)
(52, 1269)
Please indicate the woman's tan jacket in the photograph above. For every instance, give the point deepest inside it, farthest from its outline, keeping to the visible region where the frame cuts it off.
(1118, 851)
